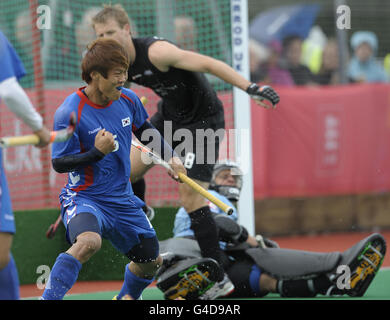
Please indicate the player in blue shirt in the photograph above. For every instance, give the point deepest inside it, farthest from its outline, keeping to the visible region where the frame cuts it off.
(11, 70)
(98, 200)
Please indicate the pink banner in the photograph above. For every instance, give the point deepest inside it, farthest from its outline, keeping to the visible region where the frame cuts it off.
(323, 141)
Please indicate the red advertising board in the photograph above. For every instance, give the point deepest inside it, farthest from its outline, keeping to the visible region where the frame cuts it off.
(323, 141)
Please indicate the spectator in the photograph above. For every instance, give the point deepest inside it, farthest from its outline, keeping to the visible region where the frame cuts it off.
(292, 53)
(273, 70)
(312, 49)
(185, 33)
(386, 64)
(329, 73)
(363, 67)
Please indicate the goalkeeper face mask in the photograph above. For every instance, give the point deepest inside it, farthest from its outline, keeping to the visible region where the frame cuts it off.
(227, 180)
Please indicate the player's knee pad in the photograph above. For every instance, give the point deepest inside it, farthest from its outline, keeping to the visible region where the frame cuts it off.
(189, 278)
(82, 222)
(145, 251)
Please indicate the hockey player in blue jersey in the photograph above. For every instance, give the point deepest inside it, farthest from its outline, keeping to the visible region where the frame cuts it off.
(11, 70)
(98, 200)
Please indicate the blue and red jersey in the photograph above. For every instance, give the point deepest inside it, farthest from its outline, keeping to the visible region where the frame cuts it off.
(109, 178)
(10, 63)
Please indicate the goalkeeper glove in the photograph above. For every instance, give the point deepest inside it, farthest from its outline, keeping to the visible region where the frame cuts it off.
(263, 93)
(265, 242)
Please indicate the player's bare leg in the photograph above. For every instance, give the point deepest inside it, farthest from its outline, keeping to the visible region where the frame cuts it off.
(146, 270)
(86, 245)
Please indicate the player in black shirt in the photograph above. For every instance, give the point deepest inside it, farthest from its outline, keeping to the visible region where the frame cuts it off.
(188, 102)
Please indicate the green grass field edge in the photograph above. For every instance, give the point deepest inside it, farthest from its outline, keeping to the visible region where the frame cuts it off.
(378, 290)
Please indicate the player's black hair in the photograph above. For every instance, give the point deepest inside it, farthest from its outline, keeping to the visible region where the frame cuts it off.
(102, 56)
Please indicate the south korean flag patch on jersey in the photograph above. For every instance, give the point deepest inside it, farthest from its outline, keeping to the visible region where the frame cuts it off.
(126, 122)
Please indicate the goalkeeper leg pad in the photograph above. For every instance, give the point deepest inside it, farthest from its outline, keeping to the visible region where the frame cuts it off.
(293, 264)
(363, 261)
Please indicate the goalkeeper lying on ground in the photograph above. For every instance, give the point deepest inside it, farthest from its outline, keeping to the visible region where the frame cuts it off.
(257, 268)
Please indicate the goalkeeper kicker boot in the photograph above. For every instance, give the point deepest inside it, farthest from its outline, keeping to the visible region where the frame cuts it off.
(364, 260)
(188, 279)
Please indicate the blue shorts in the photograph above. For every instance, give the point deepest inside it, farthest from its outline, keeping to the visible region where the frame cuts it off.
(7, 220)
(121, 221)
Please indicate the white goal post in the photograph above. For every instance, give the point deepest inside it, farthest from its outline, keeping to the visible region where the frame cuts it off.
(242, 112)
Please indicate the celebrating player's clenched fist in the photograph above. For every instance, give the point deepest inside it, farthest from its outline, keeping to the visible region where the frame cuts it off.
(104, 141)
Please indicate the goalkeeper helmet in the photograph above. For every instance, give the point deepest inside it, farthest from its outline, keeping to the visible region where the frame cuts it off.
(230, 191)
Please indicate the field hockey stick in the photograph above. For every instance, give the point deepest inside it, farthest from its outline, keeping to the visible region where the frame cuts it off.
(53, 228)
(33, 139)
(188, 181)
